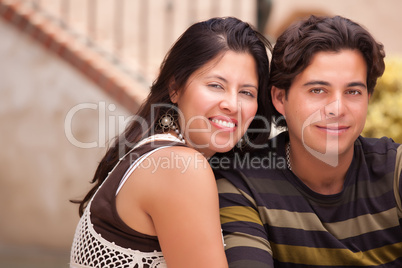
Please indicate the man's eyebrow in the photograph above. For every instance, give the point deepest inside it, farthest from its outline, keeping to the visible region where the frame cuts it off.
(323, 83)
(317, 82)
(357, 84)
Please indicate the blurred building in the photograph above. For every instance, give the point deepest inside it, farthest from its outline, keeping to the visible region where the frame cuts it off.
(381, 18)
(71, 74)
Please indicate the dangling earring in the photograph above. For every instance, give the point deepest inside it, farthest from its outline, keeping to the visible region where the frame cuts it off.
(169, 122)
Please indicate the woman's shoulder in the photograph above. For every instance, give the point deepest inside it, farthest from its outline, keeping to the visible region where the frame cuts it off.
(177, 160)
(173, 172)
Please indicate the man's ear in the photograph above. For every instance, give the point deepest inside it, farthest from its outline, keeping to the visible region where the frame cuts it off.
(173, 91)
(278, 96)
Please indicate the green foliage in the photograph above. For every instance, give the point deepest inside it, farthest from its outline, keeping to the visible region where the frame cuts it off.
(384, 117)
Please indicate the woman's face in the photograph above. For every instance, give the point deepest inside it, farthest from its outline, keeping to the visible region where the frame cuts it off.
(218, 102)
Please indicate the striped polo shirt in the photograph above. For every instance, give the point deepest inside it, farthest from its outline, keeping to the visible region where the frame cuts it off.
(270, 218)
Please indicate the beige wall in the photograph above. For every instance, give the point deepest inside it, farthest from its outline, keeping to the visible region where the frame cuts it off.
(163, 20)
(40, 168)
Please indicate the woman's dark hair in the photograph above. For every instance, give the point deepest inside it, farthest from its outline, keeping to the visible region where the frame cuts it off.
(296, 46)
(199, 44)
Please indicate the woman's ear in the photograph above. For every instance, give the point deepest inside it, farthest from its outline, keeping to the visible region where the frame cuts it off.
(173, 91)
(278, 96)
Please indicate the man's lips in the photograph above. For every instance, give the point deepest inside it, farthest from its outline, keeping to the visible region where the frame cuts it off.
(333, 129)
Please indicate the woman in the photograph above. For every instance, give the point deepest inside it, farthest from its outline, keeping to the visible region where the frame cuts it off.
(155, 201)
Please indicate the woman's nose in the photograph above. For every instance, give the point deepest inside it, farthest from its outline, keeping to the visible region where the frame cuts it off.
(229, 103)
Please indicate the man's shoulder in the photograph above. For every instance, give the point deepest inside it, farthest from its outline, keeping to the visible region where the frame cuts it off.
(378, 152)
(382, 145)
(265, 162)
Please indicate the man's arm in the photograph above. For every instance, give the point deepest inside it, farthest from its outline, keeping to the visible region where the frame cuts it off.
(245, 237)
(398, 182)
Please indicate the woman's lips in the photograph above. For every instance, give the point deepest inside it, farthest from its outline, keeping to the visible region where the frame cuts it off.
(224, 123)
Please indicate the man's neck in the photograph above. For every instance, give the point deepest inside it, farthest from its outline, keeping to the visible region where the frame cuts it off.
(318, 175)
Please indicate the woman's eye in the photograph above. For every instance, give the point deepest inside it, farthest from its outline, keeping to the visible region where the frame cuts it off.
(317, 90)
(247, 93)
(215, 86)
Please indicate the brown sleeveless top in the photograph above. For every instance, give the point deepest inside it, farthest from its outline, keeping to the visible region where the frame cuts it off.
(104, 216)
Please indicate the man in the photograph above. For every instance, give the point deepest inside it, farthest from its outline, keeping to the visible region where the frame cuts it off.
(336, 202)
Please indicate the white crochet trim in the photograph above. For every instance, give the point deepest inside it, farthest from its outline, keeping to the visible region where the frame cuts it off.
(89, 249)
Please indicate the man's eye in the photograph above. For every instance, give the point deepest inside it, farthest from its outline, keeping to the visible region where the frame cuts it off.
(354, 92)
(317, 90)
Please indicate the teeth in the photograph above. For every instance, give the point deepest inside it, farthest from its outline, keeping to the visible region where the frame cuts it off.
(224, 123)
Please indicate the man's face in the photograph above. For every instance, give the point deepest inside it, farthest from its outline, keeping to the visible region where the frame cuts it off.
(326, 105)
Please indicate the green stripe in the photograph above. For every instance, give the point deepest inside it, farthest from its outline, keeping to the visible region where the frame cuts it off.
(239, 213)
(342, 229)
(245, 240)
(285, 188)
(333, 257)
(226, 187)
